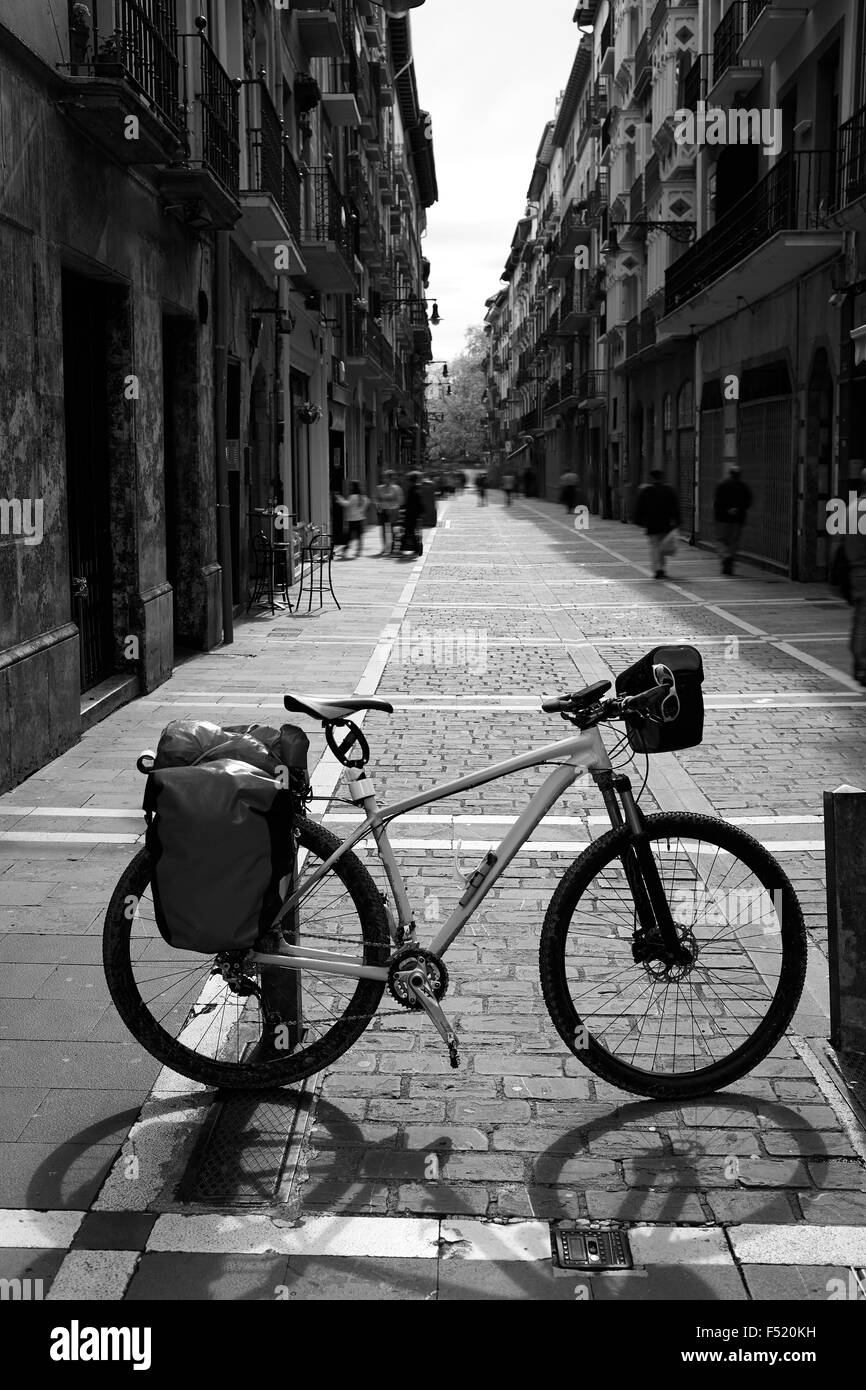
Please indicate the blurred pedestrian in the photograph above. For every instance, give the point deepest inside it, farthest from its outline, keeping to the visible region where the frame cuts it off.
(356, 506)
(658, 511)
(508, 482)
(413, 513)
(730, 508)
(855, 553)
(389, 500)
(481, 486)
(568, 490)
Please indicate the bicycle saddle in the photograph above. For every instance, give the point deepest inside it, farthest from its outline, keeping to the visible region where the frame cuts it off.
(334, 709)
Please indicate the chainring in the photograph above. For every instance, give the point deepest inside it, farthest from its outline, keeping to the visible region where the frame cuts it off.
(411, 958)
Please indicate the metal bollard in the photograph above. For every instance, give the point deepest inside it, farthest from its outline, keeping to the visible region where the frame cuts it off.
(845, 847)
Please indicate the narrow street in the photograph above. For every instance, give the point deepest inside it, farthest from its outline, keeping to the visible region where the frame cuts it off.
(760, 1194)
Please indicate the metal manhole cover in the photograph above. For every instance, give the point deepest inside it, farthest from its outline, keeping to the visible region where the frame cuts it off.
(591, 1247)
(243, 1156)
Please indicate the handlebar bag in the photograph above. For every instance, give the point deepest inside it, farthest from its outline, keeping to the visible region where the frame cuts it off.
(220, 840)
(650, 734)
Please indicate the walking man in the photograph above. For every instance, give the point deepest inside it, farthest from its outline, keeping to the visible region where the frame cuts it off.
(508, 488)
(658, 510)
(730, 508)
(389, 500)
(855, 552)
(568, 490)
(481, 485)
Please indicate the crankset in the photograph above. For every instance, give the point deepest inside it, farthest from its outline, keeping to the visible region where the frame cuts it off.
(418, 979)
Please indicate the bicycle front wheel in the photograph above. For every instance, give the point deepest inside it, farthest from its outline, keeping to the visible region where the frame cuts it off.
(683, 1028)
(188, 1014)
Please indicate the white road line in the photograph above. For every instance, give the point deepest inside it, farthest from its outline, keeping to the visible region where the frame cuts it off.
(531, 847)
(55, 837)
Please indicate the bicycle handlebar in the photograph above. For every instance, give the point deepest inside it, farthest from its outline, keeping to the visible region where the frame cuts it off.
(611, 709)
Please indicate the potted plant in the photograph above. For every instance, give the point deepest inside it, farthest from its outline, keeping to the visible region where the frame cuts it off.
(309, 413)
(110, 56)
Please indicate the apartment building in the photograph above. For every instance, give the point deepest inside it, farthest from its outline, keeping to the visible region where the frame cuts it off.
(730, 262)
(211, 264)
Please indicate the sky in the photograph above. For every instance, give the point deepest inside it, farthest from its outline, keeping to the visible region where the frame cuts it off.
(489, 72)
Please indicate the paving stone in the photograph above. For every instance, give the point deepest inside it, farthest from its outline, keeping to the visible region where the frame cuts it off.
(468, 1281)
(644, 1206)
(790, 1284)
(584, 1172)
(733, 1142)
(53, 1177)
(739, 1206)
(513, 1112)
(17, 1108)
(670, 1284)
(804, 1117)
(443, 1199)
(336, 1085)
(808, 1143)
(21, 1262)
(835, 1173)
(831, 1208)
(434, 1139)
(106, 1116)
(508, 1066)
(162, 1277)
(329, 1194)
(770, 1172)
(114, 1230)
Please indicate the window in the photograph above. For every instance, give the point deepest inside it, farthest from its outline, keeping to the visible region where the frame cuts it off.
(686, 407)
(667, 430)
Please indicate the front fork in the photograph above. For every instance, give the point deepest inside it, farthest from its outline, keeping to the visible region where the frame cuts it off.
(641, 870)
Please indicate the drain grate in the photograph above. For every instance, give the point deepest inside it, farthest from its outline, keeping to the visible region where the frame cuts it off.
(245, 1154)
(591, 1247)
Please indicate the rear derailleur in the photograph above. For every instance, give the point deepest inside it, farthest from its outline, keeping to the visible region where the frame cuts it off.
(418, 979)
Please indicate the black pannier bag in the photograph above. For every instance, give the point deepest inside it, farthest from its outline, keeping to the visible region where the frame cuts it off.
(219, 831)
(651, 735)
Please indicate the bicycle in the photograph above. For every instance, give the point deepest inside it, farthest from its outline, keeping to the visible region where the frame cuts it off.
(656, 996)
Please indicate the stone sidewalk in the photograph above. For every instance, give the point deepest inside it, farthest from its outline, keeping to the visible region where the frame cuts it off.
(506, 606)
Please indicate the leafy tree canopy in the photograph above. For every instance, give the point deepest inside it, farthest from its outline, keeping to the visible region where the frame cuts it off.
(459, 428)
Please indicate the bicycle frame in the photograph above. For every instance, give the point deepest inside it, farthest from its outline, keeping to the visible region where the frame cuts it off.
(583, 751)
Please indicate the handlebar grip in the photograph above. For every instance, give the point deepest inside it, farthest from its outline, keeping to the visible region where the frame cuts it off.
(647, 698)
(556, 706)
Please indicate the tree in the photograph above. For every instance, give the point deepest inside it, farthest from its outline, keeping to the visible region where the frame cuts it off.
(461, 431)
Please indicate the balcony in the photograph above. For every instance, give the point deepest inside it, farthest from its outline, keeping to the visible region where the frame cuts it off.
(731, 74)
(326, 234)
(852, 160)
(591, 390)
(205, 178)
(642, 67)
(773, 236)
(552, 397)
(640, 333)
(369, 355)
(575, 230)
(659, 15)
(635, 231)
(268, 218)
(606, 52)
(127, 65)
(695, 83)
(576, 310)
(652, 181)
(597, 202)
(770, 28)
(319, 29)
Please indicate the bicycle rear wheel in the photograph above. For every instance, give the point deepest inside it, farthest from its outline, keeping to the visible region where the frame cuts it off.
(183, 1010)
(657, 1028)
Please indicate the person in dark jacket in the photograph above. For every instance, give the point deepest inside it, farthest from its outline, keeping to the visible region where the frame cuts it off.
(414, 511)
(730, 508)
(658, 510)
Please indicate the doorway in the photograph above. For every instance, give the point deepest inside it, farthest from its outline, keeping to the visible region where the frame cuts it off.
(87, 306)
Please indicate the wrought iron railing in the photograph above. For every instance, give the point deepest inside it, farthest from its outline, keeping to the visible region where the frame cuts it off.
(695, 82)
(659, 16)
(632, 336)
(647, 328)
(210, 102)
(636, 202)
(728, 38)
(264, 132)
(852, 158)
(325, 211)
(291, 196)
(591, 386)
(755, 8)
(797, 194)
(651, 179)
(642, 65)
(139, 39)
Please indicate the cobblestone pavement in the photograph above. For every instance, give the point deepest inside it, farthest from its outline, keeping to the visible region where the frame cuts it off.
(759, 1193)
